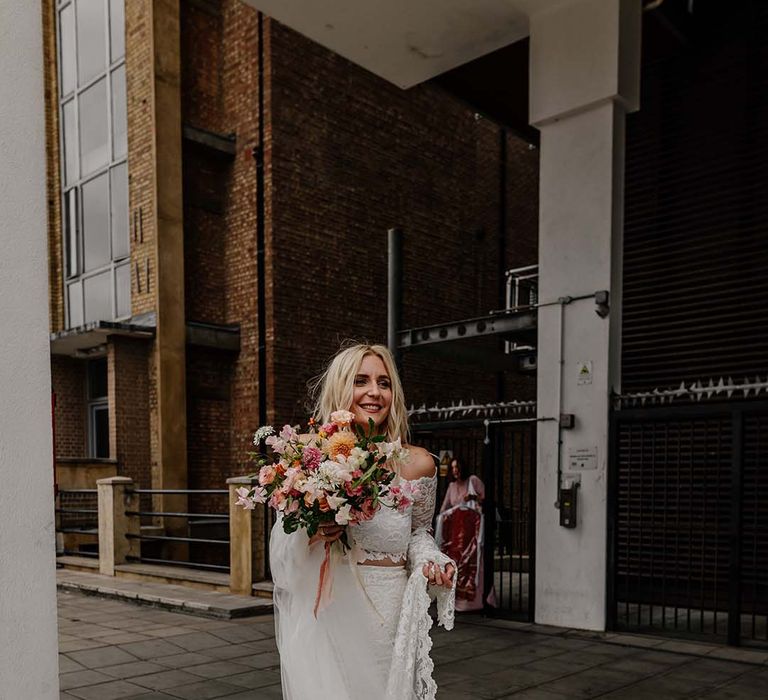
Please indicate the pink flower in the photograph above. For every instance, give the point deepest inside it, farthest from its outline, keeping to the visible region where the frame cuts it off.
(367, 510)
(342, 418)
(277, 501)
(293, 507)
(277, 444)
(267, 475)
(291, 475)
(312, 457)
(329, 429)
(403, 503)
(288, 434)
(353, 491)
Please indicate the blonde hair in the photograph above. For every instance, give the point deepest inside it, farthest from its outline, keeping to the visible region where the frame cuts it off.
(333, 390)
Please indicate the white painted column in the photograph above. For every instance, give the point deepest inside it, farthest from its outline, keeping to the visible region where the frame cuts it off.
(584, 78)
(28, 644)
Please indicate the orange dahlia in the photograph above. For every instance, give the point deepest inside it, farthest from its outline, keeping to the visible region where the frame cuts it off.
(341, 443)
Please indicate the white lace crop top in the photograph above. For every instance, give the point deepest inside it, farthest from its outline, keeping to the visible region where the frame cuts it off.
(387, 534)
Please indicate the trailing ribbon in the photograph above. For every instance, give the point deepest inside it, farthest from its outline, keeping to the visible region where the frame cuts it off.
(326, 577)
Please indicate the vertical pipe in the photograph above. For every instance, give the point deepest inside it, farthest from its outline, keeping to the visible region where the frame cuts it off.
(394, 290)
(489, 512)
(260, 237)
(734, 549)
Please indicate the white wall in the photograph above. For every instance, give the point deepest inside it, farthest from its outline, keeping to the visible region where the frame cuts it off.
(28, 644)
(584, 74)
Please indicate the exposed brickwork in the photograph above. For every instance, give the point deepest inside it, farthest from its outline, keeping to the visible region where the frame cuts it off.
(139, 71)
(346, 156)
(128, 380)
(353, 156)
(68, 379)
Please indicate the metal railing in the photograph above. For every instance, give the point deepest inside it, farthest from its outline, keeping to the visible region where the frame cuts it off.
(64, 543)
(190, 559)
(522, 287)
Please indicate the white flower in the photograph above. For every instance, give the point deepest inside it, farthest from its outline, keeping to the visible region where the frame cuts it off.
(342, 514)
(342, 418)
(264, 432)
(392, 450)
(288, 434)
(335, 501)
(333, 473)
(248, 499)
(355, 460)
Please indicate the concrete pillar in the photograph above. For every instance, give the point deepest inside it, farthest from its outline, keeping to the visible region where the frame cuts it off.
(116, 496)
(170, 344)
(28, 644)
(246, 540)
(584, 78)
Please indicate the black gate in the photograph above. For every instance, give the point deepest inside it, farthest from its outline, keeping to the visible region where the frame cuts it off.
(689, 516)
(503, 455)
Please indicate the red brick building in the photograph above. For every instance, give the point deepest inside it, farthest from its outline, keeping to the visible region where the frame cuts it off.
(238, 202)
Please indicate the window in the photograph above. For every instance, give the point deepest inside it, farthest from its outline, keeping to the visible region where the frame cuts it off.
(92, 100)
(98, 409)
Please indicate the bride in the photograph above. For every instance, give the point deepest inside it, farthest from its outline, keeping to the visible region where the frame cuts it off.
(371, 641)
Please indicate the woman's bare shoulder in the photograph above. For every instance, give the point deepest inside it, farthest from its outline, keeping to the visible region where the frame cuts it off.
(419, 464)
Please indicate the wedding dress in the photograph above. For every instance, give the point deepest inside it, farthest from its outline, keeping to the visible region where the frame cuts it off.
(371, 641)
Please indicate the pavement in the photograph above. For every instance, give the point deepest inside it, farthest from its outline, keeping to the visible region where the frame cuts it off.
(116, 649)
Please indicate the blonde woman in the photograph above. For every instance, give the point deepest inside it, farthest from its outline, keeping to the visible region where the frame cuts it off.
(372, 640)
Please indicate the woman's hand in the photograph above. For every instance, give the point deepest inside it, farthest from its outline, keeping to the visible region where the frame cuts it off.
(436, 576)
(328, 532)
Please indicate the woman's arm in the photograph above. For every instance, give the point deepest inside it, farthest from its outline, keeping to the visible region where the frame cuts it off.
(448, 500)
(420, 466)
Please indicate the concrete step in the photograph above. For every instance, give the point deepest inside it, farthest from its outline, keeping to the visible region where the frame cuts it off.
(158, 573)
(164, 595)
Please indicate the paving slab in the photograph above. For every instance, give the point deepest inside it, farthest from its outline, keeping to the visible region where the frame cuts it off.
(197, 658)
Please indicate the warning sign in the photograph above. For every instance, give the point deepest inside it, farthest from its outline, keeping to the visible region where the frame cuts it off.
(585, 372)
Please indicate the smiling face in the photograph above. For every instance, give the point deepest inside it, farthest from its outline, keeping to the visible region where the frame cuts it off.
(372, 395)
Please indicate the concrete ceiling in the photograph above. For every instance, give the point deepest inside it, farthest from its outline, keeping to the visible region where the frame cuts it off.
(407, 41)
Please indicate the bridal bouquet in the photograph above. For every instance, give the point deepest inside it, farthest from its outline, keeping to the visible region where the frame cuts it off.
(338, 473)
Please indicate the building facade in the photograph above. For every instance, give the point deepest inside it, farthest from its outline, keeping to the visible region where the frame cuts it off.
(220, 189)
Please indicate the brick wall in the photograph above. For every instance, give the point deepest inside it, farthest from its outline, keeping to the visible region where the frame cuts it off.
(68, 382)
(353, 156)
(128, 380)
(139, 71)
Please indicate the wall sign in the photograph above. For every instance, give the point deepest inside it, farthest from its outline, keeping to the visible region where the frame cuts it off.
(584, 375)
(583, 458)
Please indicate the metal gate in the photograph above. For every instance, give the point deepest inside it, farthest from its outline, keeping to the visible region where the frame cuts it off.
(503, 454)
(689, 517)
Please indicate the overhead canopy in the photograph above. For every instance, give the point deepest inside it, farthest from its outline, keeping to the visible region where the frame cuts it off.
(407, 42)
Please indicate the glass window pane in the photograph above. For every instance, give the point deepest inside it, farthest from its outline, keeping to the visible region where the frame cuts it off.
(96, 223)
(123, 290)
(97, 378)
(100, 432)
(119, 196)
(98, 297)
(71, 230)
(94, 131)
(116, 29)
(69, 132)
(67, 59)
(75, 304)
(119, 114)
(91, 39)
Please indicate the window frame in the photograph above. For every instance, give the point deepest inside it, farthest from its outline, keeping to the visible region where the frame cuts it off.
(78, 180)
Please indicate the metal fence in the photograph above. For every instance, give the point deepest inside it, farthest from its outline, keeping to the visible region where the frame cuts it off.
(77, 526)
(503, 454)
(189, 549)
(689, 521)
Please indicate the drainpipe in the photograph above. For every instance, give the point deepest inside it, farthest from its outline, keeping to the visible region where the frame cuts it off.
(258, 154)
(502, 243)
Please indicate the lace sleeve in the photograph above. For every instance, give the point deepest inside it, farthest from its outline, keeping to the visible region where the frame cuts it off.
(424, 505)
(423, 549)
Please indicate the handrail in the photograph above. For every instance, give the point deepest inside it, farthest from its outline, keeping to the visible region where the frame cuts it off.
(167, 538)
(218, 516)
(182, 491)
